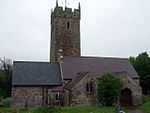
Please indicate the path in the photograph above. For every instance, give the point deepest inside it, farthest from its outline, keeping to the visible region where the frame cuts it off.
(134, 110)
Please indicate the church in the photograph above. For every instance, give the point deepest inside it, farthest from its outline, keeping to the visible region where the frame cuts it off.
(69, 79)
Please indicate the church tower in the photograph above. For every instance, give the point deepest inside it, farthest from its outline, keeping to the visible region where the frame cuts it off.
(65, 33)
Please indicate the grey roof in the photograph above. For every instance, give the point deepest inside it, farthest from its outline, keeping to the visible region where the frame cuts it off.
(75, 80)
(73, 65)
(36, 73)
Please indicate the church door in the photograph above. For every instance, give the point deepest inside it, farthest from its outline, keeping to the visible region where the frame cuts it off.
(126, 97)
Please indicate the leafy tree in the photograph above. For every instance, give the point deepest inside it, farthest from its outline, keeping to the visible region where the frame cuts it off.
(5, 77)
(3, 84)
(141, 63)
(108, 89)
(132, 60)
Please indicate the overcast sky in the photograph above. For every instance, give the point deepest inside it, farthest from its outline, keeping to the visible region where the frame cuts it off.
(113, 28)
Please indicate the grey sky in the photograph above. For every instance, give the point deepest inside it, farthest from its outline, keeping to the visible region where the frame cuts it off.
(118, 28)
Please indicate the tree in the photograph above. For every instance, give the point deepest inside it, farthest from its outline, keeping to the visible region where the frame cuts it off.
(132, 60)
(141, 63)
(6, 64)
(5, 77)
(108, 89)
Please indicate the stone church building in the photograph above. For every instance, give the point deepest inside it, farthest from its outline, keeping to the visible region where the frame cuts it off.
(69, 78)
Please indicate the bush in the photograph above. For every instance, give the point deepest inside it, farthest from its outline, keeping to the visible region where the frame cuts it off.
(146, 98)
(3, 93)
(108, 89)
(6, 102)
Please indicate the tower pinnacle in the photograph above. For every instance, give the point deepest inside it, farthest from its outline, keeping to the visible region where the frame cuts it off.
(56, 3)
(65, 3)
(79, 6)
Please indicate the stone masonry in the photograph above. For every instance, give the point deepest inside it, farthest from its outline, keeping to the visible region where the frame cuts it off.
(79, 95)
(73, 76)
(65, 33)
(27, 96)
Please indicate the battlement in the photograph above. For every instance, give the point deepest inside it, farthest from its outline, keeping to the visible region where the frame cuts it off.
(66, 12)
(65, 32)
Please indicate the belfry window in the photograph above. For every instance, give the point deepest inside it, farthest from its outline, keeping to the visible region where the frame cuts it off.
(68, 25)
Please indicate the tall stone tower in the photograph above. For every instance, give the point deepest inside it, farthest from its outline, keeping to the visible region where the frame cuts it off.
(65, 33)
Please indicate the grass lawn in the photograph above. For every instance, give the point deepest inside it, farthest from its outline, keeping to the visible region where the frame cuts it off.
(83, 109)
(88, 109)
(146, 107)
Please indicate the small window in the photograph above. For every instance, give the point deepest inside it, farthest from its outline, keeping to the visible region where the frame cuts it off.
(87, 87)
(57, 96)
(68, 25)
(90, 87)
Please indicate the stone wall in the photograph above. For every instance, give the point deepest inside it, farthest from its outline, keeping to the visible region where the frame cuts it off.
(65, 33)
(79, 95)
(26, 96)
(135, 88)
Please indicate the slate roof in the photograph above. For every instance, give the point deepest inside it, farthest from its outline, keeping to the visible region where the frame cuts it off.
(36, 73)
(75, 80)
(73, 65)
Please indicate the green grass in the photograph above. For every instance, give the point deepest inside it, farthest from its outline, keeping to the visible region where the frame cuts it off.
(146, 99)
(146, 107)
(2, 109)
(87, 109)
(81, 109)
(12, 110)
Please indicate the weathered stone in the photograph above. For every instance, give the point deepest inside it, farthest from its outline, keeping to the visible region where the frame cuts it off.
(65, 33)
(26, 96)
(79, 95)
(65, 41)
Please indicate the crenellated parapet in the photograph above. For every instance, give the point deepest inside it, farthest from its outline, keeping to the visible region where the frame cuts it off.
(66, 12)
(65, 32)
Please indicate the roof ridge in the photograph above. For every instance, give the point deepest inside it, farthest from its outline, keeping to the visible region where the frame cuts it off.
(33, 62)
(98, 57)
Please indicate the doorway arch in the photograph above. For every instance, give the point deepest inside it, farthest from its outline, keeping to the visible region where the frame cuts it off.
(126, 97)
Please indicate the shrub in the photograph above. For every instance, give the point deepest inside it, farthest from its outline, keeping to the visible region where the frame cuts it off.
(108, 89)
(146, 98)
(6, 102)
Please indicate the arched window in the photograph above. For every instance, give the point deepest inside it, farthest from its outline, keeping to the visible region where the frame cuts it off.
(87, 87)
(90, 87)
